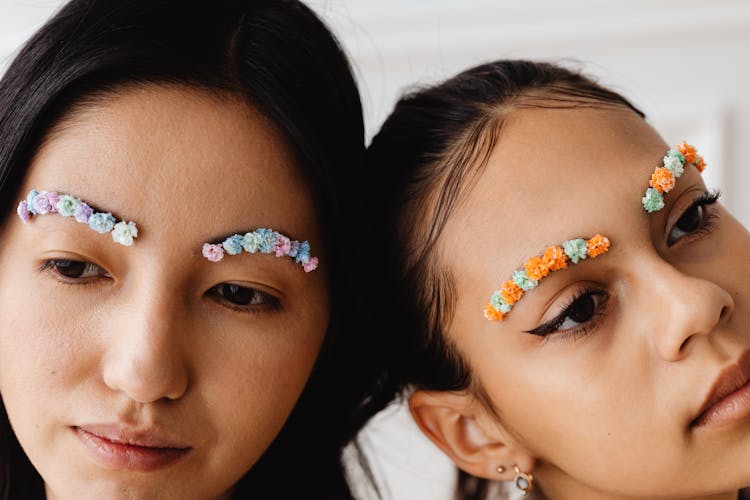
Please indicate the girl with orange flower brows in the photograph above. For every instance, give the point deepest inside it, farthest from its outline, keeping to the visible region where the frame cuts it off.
(625, 376)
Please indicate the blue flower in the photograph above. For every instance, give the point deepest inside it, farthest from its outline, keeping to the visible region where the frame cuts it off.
(303, 254)
(251, 242)
(102, 223)
(30, 200)
(267, 240)
(233, 244)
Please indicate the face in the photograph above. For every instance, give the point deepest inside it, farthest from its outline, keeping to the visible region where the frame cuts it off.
(613, 387)
(149, 371)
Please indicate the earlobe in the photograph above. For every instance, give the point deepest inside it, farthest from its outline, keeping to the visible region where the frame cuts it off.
(457, 424)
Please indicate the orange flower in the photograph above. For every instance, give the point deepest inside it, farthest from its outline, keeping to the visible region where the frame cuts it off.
(700, 164)
(662, 180)
(597, 245)
(491, 314)
(687, 151)
(554, 258)
(511, 292)
(536, 269)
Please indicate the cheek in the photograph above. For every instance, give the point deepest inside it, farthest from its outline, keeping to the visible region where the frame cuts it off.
(252, 387)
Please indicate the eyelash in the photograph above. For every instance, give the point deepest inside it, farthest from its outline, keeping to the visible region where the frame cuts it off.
(708, 221)
(552, 326)
(50, 266)
(270, 303)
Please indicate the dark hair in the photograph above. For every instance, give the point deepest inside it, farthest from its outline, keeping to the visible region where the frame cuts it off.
(428, 153)
(278, 57)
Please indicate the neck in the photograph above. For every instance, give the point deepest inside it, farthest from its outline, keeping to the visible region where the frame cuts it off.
(556, 485)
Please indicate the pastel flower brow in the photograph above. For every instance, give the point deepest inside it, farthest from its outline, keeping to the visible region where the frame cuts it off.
(539, 267)
(50, 202)
(264, 241)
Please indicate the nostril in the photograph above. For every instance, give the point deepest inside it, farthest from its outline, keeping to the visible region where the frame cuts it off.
(724, 314)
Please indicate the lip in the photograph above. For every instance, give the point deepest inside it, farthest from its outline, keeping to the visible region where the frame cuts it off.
(728, 400)
(122, 447)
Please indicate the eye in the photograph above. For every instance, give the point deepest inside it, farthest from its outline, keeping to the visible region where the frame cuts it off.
(696, 219)
(243, 298)
(74, 271)
(578, 317)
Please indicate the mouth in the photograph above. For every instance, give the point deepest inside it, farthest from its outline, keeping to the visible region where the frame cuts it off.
(728, 400)
(118, 447)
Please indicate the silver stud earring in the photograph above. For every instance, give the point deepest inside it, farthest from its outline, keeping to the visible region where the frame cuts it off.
(500, 469)
(524, 482)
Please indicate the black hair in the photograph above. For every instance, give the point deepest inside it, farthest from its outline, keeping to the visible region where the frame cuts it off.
(428, 153)
(282, 60)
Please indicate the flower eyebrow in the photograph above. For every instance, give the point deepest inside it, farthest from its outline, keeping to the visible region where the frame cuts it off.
(51, 202)
(264, 241)
(536, 268)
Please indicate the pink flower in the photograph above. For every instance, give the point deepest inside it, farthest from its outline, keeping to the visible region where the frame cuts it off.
(214, 253)
(23, 212)
(311, 264)
(283, 246)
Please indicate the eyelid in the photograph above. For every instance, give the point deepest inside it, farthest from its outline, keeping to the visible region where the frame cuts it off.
(572, 295)
(707, 198)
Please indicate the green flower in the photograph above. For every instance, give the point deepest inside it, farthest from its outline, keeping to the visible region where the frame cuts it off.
(521, 279)
(653, 201)
(575, 249)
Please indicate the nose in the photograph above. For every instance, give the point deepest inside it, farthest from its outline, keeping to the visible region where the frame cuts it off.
(682, 307)
(145, 356)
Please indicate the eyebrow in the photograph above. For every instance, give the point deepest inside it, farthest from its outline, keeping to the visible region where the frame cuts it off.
(536, 268)
(68, 206)
(263, 241)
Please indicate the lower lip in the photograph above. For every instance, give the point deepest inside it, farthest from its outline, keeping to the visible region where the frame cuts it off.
(731, 408)
(126, 456)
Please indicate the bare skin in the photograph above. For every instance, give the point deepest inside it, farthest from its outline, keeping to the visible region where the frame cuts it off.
(606, 407)
(151, 342)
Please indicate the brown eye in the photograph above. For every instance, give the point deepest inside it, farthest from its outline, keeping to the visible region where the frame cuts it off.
(237, 295)
(690, 220)
(75, 269)
(583, 309)
(696, 219)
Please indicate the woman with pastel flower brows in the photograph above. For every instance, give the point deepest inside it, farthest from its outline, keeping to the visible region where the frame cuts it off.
(573, 303)
(178, 182)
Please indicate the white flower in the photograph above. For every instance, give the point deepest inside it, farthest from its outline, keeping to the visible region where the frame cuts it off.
(674, 165)
(124, 233)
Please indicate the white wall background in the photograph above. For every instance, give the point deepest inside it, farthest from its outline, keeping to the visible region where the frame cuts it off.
(685, 63)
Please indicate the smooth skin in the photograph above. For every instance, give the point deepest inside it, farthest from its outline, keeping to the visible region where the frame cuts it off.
(602, 408)
(150, 337)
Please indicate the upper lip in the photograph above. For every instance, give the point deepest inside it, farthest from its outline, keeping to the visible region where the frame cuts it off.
(144, 437)
(730, 379)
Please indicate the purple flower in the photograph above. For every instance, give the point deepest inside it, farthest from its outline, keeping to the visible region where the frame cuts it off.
(212, 252)
(41, 203)
(82, 213)
(53, 198)
(293, 249)
(311, 265)
(23, 212)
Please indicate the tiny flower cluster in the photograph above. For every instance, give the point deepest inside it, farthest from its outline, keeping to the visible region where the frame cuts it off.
(536, 268)
(663, 179)
(265, 241)
(49, 202)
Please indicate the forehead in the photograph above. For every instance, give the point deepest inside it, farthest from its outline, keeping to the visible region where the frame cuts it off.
(178, 162)
(554, 174)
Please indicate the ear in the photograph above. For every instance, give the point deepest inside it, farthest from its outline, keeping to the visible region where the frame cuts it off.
(468, 433)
